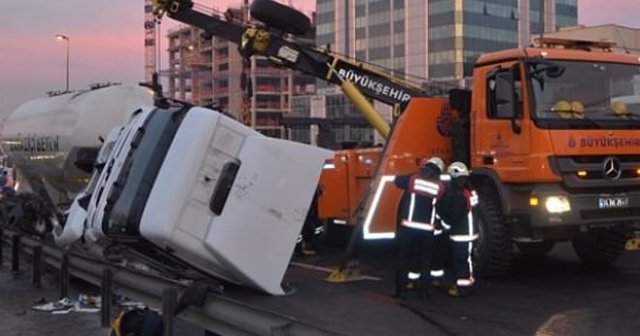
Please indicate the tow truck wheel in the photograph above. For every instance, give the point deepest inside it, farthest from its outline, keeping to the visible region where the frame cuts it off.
(536, 249)
(493, 251)
(280, 17)
(599, 248)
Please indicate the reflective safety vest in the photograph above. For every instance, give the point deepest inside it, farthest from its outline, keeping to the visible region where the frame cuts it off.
(465, 231)
(417, 208)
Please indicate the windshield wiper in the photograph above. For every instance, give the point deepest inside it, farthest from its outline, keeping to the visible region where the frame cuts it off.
(551, 69)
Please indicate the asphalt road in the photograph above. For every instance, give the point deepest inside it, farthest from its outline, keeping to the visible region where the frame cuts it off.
(17, 297)
(548, 296)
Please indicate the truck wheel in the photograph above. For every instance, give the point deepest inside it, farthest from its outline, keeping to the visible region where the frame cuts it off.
(599, 248)
(280, 17)
(536, 249)
(493, 251)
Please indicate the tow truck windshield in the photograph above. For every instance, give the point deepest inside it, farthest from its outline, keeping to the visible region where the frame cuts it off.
(584, 94)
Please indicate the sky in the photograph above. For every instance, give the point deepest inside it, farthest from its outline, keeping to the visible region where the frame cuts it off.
(106, 41)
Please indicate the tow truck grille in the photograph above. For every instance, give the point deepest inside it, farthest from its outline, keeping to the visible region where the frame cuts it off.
(603, 172)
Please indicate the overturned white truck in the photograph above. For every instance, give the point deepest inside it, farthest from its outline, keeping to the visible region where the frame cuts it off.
(190, 184)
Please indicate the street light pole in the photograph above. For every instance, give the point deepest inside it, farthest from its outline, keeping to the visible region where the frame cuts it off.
(66, 39)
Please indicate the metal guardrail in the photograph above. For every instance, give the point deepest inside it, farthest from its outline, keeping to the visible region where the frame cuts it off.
(219, 314)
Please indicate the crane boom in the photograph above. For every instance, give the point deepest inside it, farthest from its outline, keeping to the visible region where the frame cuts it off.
(286, 50)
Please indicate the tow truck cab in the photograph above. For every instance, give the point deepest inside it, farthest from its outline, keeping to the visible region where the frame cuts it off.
(552, 133)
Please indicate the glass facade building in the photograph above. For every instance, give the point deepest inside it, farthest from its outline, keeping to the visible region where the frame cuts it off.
(435, 39)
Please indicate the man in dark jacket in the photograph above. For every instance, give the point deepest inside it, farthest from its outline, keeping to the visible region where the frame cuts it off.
(416, 217)
(455, 211)
(311, 222)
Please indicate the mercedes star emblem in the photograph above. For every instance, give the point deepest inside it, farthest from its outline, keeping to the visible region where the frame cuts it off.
(611, 168)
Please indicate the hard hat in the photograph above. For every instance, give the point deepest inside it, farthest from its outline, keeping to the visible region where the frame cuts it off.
(563, 107)
(433, 160)
(577, 108)
(458, 169)
(619, 107)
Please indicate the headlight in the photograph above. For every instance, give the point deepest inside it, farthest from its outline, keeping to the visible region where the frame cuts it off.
(557, 204)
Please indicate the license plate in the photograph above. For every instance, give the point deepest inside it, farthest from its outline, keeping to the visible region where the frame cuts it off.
(613, 202)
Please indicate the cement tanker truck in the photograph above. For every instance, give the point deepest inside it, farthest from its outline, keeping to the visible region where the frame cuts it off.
(52, 142)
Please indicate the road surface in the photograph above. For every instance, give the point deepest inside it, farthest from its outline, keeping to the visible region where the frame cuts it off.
(547, 296)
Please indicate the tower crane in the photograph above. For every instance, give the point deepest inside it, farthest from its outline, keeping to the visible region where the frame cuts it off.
(150, 45)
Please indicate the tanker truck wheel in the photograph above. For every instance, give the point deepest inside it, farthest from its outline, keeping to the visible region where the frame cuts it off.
(493, 250)
(599, 248)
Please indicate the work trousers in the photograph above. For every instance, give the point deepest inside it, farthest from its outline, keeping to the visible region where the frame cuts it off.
(462, 262)
(413, 244)
(440, 255)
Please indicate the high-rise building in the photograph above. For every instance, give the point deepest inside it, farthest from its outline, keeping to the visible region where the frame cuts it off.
(212, 71)
(436, 39)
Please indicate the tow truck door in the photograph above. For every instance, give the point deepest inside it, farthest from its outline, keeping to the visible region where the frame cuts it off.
(501, 134)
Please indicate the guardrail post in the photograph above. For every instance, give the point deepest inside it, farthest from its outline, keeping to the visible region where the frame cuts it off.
(15, 253)
(105, 297)
(1, 246)
(169, 302)
(64, 276)
(36, 267)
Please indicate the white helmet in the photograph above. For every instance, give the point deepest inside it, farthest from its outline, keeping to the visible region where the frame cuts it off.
(457, 169)
(433, 160)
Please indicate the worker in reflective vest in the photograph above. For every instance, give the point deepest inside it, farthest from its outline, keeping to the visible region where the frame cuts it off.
(455, 211)
(416, 216)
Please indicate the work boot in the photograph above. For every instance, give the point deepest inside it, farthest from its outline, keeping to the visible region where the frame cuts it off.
(308, 250)
(458, 291)
(436, 283)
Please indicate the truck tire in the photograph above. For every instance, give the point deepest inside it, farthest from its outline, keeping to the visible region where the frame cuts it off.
(599, 248)
(536, 249)
(280, 17)
(493, 251)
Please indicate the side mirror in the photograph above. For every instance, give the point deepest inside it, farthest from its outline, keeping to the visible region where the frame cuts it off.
(507, 103)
